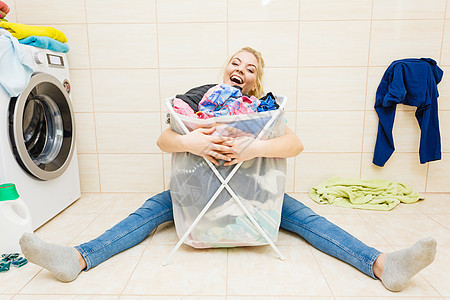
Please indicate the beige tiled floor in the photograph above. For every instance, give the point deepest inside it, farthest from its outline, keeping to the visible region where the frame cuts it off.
(249, 273)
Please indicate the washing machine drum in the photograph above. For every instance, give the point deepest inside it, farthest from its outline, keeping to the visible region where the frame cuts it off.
(41, 127)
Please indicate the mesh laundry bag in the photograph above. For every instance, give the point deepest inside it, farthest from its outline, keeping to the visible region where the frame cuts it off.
(259, 183)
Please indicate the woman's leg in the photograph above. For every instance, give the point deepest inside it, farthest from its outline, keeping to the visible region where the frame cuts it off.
(326, 236)
(64, 261)
(394, 269)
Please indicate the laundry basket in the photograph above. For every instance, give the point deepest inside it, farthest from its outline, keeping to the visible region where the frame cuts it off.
(259, 183)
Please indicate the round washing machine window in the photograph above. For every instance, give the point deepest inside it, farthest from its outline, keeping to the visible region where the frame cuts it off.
(41, 127)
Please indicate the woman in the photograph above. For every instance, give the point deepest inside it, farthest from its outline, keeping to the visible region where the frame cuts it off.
(244, 69)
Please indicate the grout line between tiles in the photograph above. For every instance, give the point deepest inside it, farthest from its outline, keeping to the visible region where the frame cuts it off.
(321, 269)
(365, 95)
(92, 97)
(297, 98)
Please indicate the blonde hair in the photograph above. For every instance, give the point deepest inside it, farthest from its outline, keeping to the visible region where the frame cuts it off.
(258, 92)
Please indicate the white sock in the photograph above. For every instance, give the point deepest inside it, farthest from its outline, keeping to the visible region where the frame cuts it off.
(62, 261)
(400, 266)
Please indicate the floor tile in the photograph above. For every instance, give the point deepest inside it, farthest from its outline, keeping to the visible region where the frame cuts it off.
(90, 203)
(65, 297)
(434, 204)
(165, 235)
(346, 281)
(276, 298)
(108, 278)
(127, 203)
(405, 230)
(258, 271)
(15, 279)
(65, 227)
(190, 272)
(444, 220)
(173, 297)
(437, 273)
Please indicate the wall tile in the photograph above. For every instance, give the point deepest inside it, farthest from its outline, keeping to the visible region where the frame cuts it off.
(374, 76)
(401, 167)
(193, 45)
(89, 176)
(335, 10)
(313, 168)
(128, 132)
(255, 10)
(406, 131)
(444, 125)
(55, 11)
(290, 175)
(340, 88)
(131, 172)
(444, 90)
(445, 56)
(77, 37)
(330, 131)
(415, 9)
(268, 38)
(438, 178)
(85, 133)
(123, 46)
(179, 81)
(334, 43)
(282, 81)
(192, 11)
(392, 40)
(167, 160)
(81, 92)
(127, 90)
(135, 11)
(12, 15)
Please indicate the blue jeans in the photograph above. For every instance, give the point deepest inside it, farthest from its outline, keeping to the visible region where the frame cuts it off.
(295, 216)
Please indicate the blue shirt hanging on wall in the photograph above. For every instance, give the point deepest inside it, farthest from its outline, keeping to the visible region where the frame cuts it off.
(410, 81)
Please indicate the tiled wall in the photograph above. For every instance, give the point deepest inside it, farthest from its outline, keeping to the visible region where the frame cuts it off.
(327, 56)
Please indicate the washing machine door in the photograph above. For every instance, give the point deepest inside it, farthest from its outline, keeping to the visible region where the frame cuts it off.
(42, 128)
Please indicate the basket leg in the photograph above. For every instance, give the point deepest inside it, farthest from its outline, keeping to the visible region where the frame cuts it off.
(255, 223)
(200, 215)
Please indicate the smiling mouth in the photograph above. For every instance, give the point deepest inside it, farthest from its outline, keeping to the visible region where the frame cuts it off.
(236, 79)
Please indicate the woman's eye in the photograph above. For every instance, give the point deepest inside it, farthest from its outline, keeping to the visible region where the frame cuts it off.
(251, 71)
(234, 63)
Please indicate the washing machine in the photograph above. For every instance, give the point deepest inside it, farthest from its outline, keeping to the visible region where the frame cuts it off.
(37, 138)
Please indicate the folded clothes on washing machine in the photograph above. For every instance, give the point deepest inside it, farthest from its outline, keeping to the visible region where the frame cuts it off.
(45, 42)
(21, 31)
(16, 66)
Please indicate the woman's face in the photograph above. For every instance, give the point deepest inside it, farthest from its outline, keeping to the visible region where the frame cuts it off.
(241, 71)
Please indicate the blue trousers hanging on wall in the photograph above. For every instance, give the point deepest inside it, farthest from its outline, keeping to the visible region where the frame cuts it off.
(412, 82)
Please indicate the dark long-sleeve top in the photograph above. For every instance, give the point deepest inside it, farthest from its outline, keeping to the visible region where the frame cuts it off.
(412, 82)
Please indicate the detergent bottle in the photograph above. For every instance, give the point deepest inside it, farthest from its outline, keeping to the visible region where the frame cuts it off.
(15, 219)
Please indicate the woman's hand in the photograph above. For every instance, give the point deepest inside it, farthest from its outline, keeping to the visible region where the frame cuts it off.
(243, 148)
(201, 142)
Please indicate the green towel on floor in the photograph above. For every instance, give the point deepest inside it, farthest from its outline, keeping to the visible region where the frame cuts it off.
(375, 194)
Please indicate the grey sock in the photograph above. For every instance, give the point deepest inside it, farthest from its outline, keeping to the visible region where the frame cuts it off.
(62, 261)
(400, 266)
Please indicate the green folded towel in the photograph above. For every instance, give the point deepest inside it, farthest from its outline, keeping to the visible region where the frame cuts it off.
(375, 194)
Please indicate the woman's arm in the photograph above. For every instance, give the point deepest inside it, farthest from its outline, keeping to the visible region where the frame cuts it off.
(199, 142)
(246, 148)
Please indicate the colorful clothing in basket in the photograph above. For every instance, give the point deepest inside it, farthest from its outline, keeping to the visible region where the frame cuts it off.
(225, 100)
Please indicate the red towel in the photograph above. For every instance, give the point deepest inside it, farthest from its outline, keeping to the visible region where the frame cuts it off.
(4, 9)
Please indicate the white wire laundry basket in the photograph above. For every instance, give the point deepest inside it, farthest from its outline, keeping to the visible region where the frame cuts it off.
(239, 205)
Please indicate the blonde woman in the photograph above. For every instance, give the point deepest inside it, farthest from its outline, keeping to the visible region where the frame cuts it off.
(244, 69)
